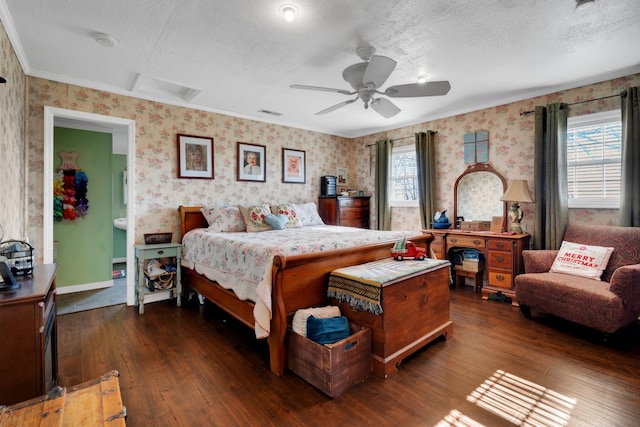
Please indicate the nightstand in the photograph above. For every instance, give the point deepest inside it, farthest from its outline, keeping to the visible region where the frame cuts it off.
(156, 251)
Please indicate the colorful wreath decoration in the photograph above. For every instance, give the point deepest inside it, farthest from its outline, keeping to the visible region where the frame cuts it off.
(70, 194)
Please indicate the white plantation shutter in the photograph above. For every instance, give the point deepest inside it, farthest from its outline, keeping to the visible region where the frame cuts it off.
(593, 160)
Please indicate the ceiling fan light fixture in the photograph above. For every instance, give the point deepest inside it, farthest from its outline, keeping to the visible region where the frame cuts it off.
(584, 4)
(422, 78)
(289, 12)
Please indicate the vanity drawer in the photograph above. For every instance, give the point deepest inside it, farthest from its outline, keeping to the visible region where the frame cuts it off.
(500, 279)
(500, 259)
(503, 245)
(465, 242)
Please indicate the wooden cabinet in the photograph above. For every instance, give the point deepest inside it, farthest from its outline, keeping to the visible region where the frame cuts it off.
(345, 211)
(28, 327)
(502, 253)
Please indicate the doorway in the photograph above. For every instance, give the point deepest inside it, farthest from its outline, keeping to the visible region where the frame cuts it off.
(123, 131)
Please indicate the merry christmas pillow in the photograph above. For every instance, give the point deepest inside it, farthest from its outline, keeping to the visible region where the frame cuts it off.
(581, 260)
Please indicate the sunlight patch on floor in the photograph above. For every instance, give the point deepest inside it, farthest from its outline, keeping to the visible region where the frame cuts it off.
(456, 418)
(522, 402)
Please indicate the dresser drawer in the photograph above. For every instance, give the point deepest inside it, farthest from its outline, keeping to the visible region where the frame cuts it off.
(465, 242)
(358, 223)
(353, 214)
(500, 259)
(353, 203)
(160, 253)
(500, 279)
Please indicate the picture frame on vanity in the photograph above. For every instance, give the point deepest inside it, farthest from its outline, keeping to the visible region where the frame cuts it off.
(195, 157)
(341, 175)
(251, 162)
(294, 168)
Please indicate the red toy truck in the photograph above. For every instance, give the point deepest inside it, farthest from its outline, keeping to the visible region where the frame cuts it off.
(407, 249)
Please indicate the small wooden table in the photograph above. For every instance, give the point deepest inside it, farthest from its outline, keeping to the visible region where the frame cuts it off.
(155, 251)
(415, 312)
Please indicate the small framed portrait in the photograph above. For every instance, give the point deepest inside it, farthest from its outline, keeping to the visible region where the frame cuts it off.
(252, 162)
(293, 166)
(342, 176)
(195, 157)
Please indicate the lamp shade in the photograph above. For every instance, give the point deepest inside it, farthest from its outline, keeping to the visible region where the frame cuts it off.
(518, 191)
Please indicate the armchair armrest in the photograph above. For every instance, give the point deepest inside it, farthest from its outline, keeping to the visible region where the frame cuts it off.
(625, 282)
(539, 260)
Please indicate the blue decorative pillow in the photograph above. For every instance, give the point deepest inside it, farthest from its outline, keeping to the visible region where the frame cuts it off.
(277, 222)
(327, 331)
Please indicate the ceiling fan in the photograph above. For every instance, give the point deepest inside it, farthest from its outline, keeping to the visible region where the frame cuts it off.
(366, 78)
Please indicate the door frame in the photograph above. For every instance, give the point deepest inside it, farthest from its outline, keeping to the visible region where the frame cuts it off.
(116, 126)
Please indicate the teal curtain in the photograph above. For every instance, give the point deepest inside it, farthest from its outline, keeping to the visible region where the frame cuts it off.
(630, 183)
(551, 211)
(425, 160)
(383, 170)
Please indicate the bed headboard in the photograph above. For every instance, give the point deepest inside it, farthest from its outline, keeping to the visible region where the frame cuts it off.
(191, 217)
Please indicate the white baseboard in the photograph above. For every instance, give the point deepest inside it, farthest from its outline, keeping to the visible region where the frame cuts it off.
(119, 260)
(84, 287)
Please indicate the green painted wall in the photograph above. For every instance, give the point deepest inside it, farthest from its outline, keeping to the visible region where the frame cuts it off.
(118, 166)
(85, 245)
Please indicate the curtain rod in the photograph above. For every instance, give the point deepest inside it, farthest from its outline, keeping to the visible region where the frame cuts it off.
(397, 139)
(524, 113)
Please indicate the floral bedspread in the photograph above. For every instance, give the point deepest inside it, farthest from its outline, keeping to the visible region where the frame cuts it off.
(243, 261)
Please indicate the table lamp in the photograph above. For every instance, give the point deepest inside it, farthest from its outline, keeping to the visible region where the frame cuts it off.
(517, 192)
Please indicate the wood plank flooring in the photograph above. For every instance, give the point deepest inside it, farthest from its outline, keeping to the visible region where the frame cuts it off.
(196, 366)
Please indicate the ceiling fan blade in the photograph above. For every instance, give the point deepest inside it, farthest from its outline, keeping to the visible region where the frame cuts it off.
(323, 89)
(335, 107)
(418, 89)
(384, 107)
(378, 70)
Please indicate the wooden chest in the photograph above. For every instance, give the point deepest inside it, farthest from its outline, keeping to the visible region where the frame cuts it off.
(332, 368)
(94, 403)
(415, 312)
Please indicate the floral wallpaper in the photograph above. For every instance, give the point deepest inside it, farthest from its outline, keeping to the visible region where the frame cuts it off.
(12, 218)
(511, 137)
(158, 190)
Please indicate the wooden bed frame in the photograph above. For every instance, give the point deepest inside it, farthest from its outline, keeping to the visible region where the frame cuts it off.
(299, 281)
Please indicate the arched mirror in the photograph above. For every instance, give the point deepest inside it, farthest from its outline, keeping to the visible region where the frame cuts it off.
(476, 194)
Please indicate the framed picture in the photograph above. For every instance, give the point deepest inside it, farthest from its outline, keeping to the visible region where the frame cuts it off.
(342, 190)
(195, 157)
(342, 176)
(293, 166)
(252, 162)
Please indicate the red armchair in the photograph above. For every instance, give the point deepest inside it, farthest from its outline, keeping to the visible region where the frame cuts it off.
(607, 304)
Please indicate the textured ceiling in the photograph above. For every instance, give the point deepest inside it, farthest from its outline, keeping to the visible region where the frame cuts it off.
(240, 56)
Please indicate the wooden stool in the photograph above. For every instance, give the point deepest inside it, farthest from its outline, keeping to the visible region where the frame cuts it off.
(476, 276)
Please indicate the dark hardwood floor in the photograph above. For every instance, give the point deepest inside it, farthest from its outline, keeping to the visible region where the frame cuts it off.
(195, 366)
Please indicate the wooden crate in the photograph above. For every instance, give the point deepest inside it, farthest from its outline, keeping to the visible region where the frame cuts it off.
(332, 368)
(94, 403)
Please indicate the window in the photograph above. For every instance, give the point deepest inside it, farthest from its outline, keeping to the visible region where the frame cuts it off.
(404, 176)
(593, 160)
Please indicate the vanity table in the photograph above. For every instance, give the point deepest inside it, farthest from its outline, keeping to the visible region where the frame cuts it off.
(476, 196)
(502, 254)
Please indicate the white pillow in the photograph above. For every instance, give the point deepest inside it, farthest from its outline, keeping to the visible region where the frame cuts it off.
(308, 214)
(581, 260)
(224, 218)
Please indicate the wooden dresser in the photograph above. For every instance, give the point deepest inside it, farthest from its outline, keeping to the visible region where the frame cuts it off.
(502, 253)
(345, 211)
(28, 327)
